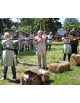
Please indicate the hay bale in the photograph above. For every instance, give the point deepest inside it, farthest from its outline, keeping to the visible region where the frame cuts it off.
(30, 78)
(34, 77)
(59, 67)
(45, 75)
(75, 59)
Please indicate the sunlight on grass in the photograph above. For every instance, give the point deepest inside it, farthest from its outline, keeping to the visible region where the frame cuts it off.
(28, 60)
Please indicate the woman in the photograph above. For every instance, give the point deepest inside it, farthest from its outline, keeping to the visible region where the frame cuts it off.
(8, 56)
(67, 47)
(74, 44)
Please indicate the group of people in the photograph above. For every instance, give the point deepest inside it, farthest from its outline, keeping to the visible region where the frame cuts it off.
(10, 47)
(42, 43)
(27, 44)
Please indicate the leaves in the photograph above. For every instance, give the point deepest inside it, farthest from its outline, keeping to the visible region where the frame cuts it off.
(5, 24)
(45, 24)
(70, 23)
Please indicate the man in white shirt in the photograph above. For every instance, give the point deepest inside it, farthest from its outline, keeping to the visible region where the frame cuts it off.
(49, 41)
(40, 49)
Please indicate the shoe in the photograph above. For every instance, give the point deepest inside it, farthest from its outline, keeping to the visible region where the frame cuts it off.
(2, 78)
(39, 67)
(46, 68)
(14, 79)
(18, 62)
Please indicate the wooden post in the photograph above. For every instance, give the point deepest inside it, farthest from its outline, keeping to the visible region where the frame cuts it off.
(44, 25)
(40, 26)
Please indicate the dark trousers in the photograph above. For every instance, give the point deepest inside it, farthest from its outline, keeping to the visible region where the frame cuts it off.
(16, 53)
(31, 46)
(48, 46)
(74, 49)
(64, 57)
(27, 47)
(5, 72)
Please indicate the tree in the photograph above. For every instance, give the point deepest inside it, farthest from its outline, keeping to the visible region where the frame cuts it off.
(53, 25)
(5, 24)
(40, 24)
(45, 24)
(27, 24)
(1, 25)
(70, 23)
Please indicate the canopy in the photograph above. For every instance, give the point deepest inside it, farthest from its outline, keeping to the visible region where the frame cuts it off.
(61, 32)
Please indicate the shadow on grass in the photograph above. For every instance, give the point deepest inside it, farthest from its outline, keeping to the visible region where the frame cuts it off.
(27, 64)
(48, 82)
(54, 49)
(57, 44)
(29, 53)
(78, 65)
(16, 82)
(65, 71)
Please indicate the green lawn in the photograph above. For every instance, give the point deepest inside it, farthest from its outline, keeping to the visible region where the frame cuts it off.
(28, 60)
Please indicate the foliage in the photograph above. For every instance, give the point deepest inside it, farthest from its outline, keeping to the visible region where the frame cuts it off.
(1, 25)
(45, 24)
(32, 25)
(70, 23)
(5, 24)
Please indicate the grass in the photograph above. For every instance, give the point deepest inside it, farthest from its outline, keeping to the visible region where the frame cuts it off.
(28, 60)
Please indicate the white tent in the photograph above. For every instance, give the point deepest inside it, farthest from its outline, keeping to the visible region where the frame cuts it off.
(61, 32)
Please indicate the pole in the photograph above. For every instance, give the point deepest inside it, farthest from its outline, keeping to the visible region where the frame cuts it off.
(44, 25)
(40, 26)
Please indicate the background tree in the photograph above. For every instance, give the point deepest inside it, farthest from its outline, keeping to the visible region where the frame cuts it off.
(70, 23)
(1, 25)
(27, 24)
(5, 24)
(35, 24)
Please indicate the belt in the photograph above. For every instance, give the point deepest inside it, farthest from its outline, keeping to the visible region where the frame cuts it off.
(8, 49)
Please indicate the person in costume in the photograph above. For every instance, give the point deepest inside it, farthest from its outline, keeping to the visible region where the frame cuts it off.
(8, 56)
(39, 40)
(66, 47)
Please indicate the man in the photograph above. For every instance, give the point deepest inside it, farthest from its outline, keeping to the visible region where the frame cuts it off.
(49, 41)
(39, 40)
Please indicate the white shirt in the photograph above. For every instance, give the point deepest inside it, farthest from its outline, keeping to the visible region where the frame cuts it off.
(40, 47)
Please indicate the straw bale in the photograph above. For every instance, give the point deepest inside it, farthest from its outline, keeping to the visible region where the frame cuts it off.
(34, 77)
(59, 67)
(45, 74)
(75, 59)
(29, 78)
